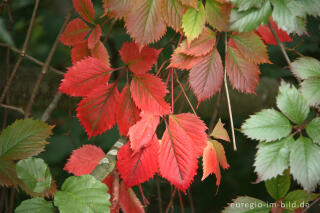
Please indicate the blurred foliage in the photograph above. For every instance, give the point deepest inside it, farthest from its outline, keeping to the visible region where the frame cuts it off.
(238, 180)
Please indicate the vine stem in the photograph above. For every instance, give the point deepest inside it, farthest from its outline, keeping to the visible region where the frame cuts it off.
(46, 66)
(24, 48)
(228, 96)
(184, 93)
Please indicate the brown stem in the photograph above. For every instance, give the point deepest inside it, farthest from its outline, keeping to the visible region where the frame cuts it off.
(191, 201)
(171, 200)
(184, 93)
(159, 194)
(46, 66)
(312, 204)
(47, 113)
(181, 202)
(34, 60)
(24, 48)
(18, 109)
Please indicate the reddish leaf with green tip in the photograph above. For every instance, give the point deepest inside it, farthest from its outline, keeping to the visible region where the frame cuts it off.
(148, 92)
(200, 46)
(243, 74)
(85, 76)
(172, 12)
(100, 52)
(97, 111)
(138, 167)
(206, 77)
(75, 32)
(84, 159)
(251, 46)
(144, 23)
(85, 9)
(138, 61)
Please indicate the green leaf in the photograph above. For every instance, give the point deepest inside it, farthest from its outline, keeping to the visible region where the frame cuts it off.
(312, 7)
(273, 158)
(297, 199)
(289, 16)
(247, 205)
(267, 125)
(246, 21)
(310, 89)
(291, 103)
(82, 194)
(306, 67)
(247, 4)
(193, 22)
(278, 186)
(23, 139)
(305, 163)
(4, 34)
(35, 174)
(35, 205)
(313, 130)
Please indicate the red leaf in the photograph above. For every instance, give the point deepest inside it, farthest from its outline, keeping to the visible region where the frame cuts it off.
(200, 46)
(206, 77)
(75, 32)
(84, 160)
(250, 46)
(80, 51)
(143, 131)
(112, 181)
(213, 156)
(243, 74)
(84, 76)
(138, 61)
(194, 128)
(97, 111)
(144, 22)
(183, 61)
(94, 37)
(84, 9)
(128, 200)
(99, 51)
(117, 8)
(136, 168)
(127, 113)
(148, 92)
(179, 150)
(265, 33)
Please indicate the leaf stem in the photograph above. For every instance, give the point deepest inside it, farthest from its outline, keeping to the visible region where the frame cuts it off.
(228, 96)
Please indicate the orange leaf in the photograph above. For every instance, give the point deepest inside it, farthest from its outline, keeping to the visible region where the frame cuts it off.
(190, 3)
(220, 132)
(182, 61)
(128, 200)
(94, 37)
(172, 12)
(218, 14)
(117, 8)
(99, 51)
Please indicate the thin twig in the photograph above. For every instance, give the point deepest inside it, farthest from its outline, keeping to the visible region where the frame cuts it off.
(18, 109)
(190, 200)
(228, 97)
(46, 65)
(47, 113)
(159, 194)
(24, 48)
(171, 199)
(34, 60)
(312, 204)
(184, 93)
(181, 202)
(281, 45)
(172, 99)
